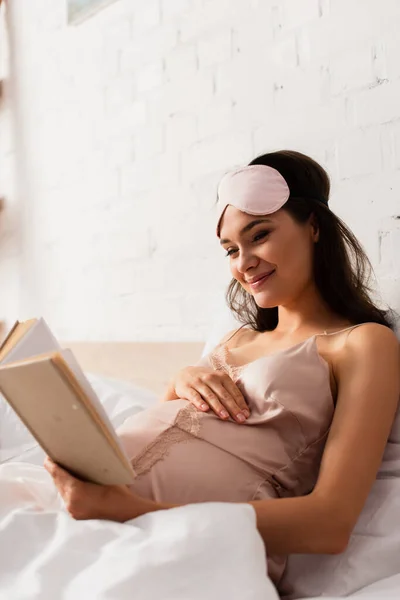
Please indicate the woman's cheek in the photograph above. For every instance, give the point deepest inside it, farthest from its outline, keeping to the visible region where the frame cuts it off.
(233, 270)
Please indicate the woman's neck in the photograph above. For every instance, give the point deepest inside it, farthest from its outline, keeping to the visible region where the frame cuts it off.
(306, 313)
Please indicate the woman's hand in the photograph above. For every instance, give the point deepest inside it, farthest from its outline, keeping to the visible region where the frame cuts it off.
(206, 388)
(85, 500)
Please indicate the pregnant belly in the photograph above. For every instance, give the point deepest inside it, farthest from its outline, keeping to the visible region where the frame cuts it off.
(173, 463)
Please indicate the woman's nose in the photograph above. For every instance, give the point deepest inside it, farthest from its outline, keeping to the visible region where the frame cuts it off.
(246, 261)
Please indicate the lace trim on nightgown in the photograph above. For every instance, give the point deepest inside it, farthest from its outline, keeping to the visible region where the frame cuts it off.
(219, 362)
(185, 427)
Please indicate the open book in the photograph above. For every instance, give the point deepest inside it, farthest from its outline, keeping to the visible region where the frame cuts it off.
(48, 390)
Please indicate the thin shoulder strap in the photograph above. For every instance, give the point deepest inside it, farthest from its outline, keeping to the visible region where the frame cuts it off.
(343, 330)
(233, 334)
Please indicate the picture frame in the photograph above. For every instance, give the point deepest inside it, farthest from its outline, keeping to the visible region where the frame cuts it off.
(79, 10)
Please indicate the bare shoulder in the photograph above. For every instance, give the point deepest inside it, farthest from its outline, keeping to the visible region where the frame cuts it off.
(371, 336)
(369, 344)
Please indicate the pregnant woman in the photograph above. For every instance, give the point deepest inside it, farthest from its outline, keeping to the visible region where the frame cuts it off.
(291, 412)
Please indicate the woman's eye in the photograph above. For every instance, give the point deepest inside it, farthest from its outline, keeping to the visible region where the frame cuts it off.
(261, 235)
(258, 237)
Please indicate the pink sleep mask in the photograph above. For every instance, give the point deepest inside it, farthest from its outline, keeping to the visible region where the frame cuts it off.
(256, 190)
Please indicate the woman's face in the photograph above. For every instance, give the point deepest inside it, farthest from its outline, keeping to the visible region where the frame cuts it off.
(271, 256)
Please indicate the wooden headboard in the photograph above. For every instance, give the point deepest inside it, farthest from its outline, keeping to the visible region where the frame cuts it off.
(147, 364)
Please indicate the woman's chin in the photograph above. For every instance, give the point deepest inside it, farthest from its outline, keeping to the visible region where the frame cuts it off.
(265, 300)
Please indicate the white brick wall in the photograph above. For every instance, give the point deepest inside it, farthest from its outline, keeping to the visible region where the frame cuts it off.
(127, 121)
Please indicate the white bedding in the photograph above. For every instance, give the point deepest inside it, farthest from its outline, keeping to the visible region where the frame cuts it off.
(191, 552)
(200, 551)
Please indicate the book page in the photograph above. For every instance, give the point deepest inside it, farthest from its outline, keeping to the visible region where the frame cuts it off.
(38, 340)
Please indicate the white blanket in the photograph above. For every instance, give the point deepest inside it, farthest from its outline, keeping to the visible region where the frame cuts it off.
(209, 550)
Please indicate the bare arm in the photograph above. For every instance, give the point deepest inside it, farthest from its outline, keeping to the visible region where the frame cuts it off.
(368, 383)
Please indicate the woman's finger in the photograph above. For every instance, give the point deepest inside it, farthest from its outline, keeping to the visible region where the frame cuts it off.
(226, 399)
(229, 395)
(236, 394)
(217, 392)
(81, 499)
(195, 398)
(58, 472)
(55, 471)
(49, 464)
(212, 400)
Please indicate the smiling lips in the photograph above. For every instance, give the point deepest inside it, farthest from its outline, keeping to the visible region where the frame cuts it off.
(257, 282)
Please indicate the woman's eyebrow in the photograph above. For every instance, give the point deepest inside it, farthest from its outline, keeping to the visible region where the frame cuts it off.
(248, 227)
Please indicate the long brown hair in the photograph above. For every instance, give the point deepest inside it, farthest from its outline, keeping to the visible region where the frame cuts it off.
(342, 270)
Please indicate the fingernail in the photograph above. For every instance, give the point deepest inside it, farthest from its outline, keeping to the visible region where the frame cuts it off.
(246, 413)
(224, 414)
(203, 406)
(240, 417)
